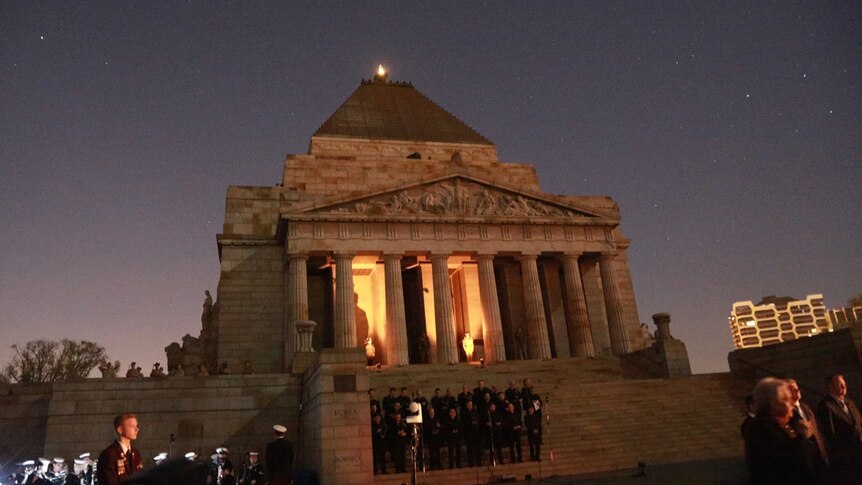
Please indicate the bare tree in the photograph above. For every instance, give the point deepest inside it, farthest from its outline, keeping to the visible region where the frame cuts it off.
(40, 361)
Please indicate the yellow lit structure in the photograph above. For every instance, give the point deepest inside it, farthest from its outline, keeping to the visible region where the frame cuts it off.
(777, 319)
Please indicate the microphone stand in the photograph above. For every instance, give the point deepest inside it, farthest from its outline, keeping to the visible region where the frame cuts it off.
(491, 435)
(413, 446)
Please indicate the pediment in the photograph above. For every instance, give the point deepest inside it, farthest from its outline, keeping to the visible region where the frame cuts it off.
(454, 196)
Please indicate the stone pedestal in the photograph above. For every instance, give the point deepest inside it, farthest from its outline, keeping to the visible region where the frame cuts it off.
(336, 427)
(667, 357)
(304, 355)
(304, 330)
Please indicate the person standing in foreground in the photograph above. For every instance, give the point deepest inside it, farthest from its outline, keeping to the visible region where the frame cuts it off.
(841, 426)
(120, 460)
(803, 416)
(279, 458)
(777, 451)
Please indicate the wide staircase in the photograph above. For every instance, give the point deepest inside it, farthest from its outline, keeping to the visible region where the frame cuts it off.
(595, 418)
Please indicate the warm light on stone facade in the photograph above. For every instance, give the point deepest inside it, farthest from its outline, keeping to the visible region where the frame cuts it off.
(401, 224)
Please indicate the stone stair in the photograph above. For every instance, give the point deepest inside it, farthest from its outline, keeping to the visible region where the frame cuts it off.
(595, 419)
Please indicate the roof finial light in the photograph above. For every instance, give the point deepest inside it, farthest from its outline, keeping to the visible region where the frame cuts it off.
(381, 74)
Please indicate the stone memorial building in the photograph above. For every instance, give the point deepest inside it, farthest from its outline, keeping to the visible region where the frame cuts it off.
(400, 240)
(401, 223)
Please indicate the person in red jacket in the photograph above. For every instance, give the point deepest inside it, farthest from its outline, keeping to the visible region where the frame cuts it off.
(120, 459)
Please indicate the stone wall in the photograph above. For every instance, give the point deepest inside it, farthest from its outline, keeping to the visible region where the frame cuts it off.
(201, 412)
(23, 420)
(336, 424)
(808, 360)
(70, 418)
(314, 177)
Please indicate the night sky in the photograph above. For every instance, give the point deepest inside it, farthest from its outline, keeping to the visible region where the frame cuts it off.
(729, 133)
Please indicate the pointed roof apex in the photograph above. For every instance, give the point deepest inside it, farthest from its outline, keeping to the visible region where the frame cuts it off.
(380, 109)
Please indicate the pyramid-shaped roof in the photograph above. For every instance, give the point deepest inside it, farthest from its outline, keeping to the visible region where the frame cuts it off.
(383, 110)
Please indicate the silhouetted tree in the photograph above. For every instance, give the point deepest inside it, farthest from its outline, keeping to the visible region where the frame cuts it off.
(40, 361)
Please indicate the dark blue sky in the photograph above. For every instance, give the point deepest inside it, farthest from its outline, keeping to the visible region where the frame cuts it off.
(730, 134)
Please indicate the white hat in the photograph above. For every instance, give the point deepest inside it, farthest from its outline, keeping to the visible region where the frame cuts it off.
(161, 456)
(279, 428)
(28, 463)
(58, 460)
(191, 455)
(44, 461)
(252, 453)
(79, 461)
(84, 456)
(222, 450)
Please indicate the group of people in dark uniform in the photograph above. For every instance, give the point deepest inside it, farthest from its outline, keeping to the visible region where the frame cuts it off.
(787, 442)
(121, 462)
(53, 472)
(481, 422)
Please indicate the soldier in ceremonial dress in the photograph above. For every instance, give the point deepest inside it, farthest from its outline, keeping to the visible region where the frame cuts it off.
(251, 472)
(279, 458)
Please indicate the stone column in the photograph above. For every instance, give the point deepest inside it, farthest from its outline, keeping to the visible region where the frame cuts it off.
(616, 328)
(297, 297)
(537, 329)
(444, 313)
(495, 350)
(396, 322)
(580, 334)
(345, 316)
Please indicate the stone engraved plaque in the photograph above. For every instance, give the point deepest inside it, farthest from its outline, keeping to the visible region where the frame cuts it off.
(344, 383)
(347, 462)
(345, 416)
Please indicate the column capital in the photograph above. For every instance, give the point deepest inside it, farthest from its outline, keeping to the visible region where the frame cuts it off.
(393, 256)
(344, 254)
(292, 256)
(483, 256)
(527, 257)
(439, 255)
(607, 255)
(567, 256)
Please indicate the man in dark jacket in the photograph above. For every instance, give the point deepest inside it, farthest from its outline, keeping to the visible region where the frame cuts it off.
(471, 428)
(841, 427)
(378, 443)
(452, 427)
(398, 437)
(512, 432)
(533, 423)
(279, 458)
(434, 437)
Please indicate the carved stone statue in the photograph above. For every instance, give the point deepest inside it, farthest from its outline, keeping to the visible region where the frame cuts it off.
(206, 317)
(462, 197)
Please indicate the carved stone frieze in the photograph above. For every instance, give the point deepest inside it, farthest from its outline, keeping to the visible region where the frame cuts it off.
(454, 197)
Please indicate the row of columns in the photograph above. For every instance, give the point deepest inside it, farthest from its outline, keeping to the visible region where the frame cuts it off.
(580, 334)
